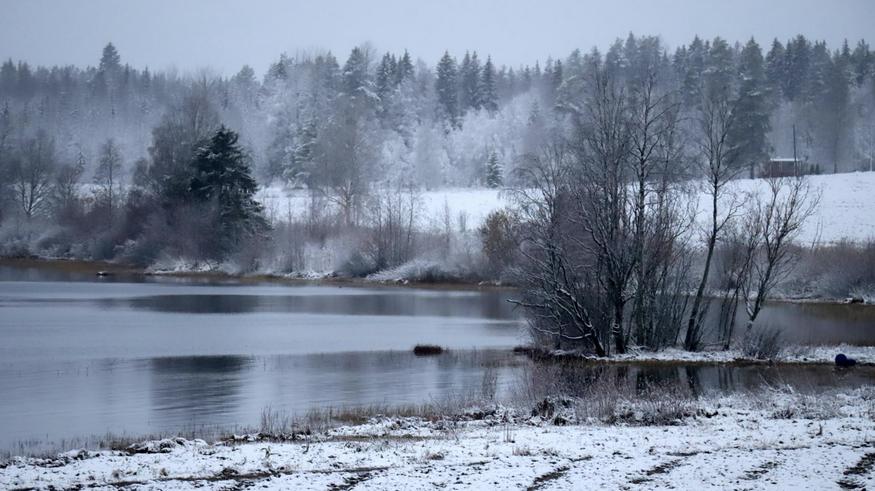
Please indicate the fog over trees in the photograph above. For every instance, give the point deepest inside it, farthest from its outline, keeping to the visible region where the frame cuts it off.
(600, 153)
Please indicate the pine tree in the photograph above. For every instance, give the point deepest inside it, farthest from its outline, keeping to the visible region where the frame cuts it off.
(221, 175)
(751, 127)
(693, 68)
(817, 77)
(8, 78)
(405, 68)
(110, 61)
(279, 70)
(487, 95)
(355, 73)
(797, 58)
(493, 171)
(386, 78)
(469, 73)
(557, 77)
(862, 61)
(776, 69)
(447, 90)
(718, 74)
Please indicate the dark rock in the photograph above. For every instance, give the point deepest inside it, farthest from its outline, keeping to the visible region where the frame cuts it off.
(844, 361)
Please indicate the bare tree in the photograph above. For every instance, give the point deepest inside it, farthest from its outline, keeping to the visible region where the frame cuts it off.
(555, 292)
(392, 220)
(657, 164)
(107, 176)
(719, 165)
(32, 174)
(601, 193)
(346, 159)
(778, 217)
(734, 256)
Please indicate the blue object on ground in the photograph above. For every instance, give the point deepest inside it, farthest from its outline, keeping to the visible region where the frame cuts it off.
(844, 361)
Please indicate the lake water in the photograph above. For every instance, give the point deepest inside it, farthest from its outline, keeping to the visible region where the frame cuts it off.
(81, 356)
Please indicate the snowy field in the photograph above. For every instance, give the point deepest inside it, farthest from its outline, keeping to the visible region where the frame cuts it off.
(844, 212)
(778, 441)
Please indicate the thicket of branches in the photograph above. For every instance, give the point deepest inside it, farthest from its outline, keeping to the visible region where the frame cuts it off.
(608, 229)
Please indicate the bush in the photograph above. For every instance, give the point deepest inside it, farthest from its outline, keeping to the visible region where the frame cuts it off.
(500, 241)
(762, 344)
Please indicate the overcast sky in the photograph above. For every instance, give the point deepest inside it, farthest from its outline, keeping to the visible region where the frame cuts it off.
(224, 35)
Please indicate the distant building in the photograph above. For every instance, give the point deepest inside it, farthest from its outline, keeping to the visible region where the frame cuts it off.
(786, 167)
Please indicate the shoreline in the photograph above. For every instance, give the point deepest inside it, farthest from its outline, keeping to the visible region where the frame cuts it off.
(88, 266)
(763, 440)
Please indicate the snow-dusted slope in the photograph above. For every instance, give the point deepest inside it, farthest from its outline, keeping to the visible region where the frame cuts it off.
(846, 209)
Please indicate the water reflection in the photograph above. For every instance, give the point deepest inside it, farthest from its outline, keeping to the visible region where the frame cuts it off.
(576, 378)
(50, 402)
(196, 389)
(485, 305)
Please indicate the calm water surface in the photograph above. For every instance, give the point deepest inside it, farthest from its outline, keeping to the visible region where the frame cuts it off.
(81, 356)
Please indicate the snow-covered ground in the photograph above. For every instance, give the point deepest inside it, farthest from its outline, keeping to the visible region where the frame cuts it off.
(471, 203)
(782, 441)
(844, 211)
(863, 355)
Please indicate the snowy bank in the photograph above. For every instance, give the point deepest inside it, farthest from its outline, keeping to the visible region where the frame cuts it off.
(780, 440)
(797, 354)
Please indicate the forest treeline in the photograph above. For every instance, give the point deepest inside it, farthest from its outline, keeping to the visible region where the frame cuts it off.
(439, 124)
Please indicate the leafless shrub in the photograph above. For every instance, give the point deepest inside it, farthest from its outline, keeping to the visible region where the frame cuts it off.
(762, 344)
(391, 232)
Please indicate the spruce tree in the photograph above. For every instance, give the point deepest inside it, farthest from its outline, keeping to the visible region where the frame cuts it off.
(556, 79)
(110, 61)
(405, 68)
(487, 95)
(862, 61)
(797, 59)
(469, 73)
(386, 77)
(751, 127)
(493, 171)
(776, 69)
(221, 175)
(355, 73)
(446, 87)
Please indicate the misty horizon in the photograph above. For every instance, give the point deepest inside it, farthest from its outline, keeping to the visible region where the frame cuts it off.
(161, 36)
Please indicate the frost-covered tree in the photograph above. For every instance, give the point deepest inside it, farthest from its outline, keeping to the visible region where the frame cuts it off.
(221, 175)
(404, 70)
(32, 174)
(356, 74)
(493, 171)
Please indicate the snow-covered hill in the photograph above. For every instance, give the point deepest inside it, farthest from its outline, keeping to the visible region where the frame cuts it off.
(846, 209)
